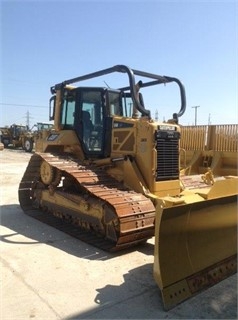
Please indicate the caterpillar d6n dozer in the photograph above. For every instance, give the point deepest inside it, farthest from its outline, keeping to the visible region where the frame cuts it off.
(110, 175)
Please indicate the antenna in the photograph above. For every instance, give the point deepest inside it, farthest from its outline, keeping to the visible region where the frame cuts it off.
(106, 84)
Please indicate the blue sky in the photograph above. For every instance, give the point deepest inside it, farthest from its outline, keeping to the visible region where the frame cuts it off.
(46, 42)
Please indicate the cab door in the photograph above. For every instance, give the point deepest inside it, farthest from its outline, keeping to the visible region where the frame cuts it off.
(90, 121)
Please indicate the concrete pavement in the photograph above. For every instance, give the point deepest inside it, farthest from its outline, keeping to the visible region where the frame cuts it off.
(46, 274)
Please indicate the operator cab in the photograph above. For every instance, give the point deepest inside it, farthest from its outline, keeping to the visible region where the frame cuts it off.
(90, 111)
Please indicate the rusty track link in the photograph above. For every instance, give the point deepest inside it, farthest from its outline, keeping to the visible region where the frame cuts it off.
(135, 212)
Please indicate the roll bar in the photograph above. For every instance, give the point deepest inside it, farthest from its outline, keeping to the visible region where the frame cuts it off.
(157, 79)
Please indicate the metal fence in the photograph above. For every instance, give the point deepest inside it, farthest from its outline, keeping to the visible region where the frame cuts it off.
(210, 137)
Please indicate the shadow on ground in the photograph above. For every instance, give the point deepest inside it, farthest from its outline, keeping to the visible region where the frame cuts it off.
(12, 217)
(139, 298)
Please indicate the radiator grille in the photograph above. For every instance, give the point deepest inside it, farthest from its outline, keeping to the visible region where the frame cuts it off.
(167, 147)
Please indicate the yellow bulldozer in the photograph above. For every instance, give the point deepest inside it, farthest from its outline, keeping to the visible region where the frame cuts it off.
(110, 175)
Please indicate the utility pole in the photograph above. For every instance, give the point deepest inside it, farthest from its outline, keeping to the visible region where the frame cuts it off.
(209, 119)
(156, 115)
(196, 114)
(28, 117)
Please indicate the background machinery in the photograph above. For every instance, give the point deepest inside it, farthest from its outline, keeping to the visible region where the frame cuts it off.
(40, 126)
(18, 136)
(112, 174)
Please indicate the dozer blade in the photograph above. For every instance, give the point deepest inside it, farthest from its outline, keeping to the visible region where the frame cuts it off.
(195, 247)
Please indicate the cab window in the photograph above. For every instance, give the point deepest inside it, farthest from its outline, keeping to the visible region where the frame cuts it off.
(92, 120)
(68, 110)
(115, 107)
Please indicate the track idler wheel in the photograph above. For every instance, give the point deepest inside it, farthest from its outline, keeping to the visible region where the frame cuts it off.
(49, 175)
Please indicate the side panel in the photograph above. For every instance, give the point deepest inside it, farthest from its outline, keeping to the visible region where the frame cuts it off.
(60, 141)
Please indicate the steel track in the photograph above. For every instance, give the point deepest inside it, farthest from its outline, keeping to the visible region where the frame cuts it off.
(135, 212)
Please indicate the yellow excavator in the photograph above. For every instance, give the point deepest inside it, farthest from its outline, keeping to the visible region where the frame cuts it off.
(109, 174)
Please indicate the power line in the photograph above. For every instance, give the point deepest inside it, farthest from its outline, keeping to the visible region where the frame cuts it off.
(22, 105)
